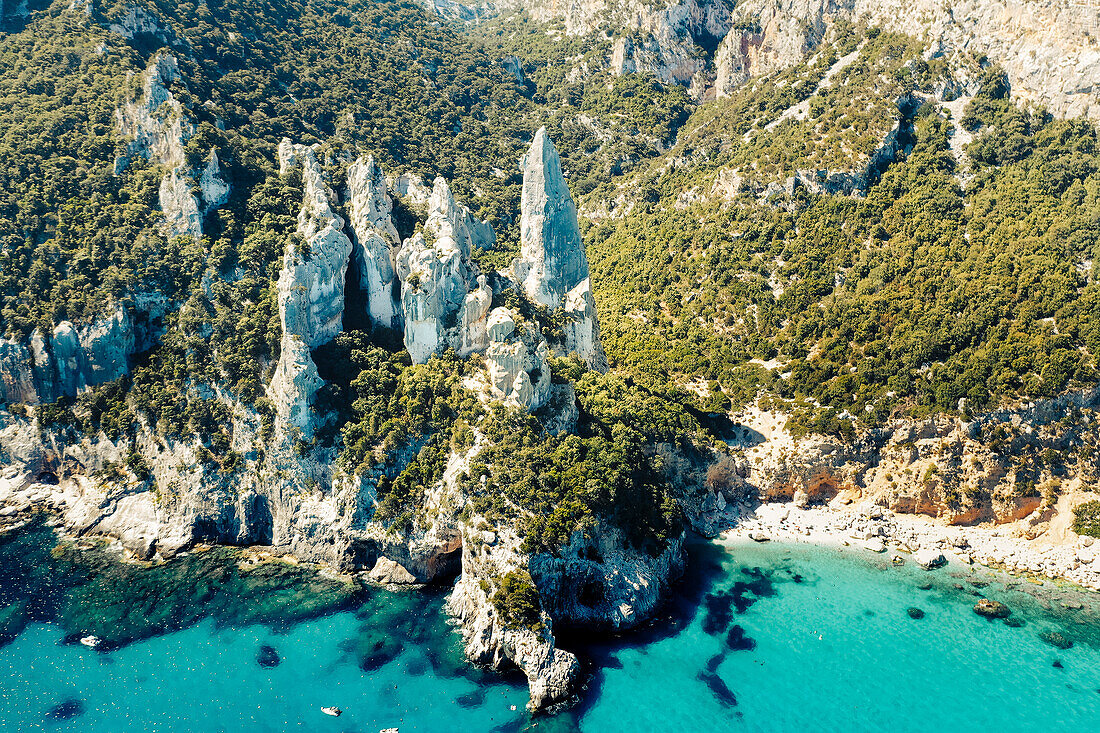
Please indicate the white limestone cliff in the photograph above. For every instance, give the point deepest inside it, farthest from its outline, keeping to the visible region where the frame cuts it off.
(68, 360)
(437, 277)
(1048, 47)
(311, 289)
(552, 268)
(516, 361)
(158, 129)
(376, 240)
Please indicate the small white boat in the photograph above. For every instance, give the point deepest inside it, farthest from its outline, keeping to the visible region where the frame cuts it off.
(333, 711)
(91, 641)
(389, 730)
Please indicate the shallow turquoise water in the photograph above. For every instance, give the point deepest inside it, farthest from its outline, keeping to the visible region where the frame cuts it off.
(764, 638)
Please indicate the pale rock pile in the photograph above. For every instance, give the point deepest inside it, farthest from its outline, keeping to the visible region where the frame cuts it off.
(876, 529)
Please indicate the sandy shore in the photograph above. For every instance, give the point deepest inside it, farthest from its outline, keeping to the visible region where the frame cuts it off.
(879, 530)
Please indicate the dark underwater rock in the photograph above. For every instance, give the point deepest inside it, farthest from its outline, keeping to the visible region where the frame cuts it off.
(721, 691)
(268, 657)
(1056, 639)
(1015, 623)
(67, 710)
(915, 613)
(737, 641)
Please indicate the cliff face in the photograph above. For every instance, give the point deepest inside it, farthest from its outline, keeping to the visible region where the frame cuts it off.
(999, 467)
(66, 361)
(1048, 47)
(311, 290)
(157, 128)
(288, 488)
(376, 240)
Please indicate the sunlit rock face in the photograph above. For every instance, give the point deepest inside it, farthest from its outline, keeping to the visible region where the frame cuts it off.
(311, 289)
(444, 302)
(376, 240)
(519, 373)
(552, 268)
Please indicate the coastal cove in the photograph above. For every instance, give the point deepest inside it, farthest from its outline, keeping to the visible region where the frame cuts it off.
(759, 636)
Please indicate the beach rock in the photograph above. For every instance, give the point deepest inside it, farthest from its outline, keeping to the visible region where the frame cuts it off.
(388, 572)
(759, 537)
(929, 559)
(991, 609)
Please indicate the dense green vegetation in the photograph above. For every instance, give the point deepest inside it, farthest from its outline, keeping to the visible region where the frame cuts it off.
(517, 601)
(1086, 518)
(917, 296)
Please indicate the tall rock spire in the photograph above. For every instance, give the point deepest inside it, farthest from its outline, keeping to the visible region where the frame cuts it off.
(552, 269)
(552, 260)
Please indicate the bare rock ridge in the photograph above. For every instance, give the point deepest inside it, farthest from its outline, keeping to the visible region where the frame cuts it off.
(376, 240)
(158, 129)
(1048, 47)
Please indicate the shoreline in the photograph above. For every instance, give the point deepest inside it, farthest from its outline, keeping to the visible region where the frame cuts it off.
(879, 530)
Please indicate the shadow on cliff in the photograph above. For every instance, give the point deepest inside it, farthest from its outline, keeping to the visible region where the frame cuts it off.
(598, 651)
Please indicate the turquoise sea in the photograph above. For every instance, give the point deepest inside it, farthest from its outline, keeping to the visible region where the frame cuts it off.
(760, 638)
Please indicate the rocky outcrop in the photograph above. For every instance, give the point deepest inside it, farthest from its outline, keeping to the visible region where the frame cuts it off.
(1048, 47)
(437, 277)
(601, 581)
(1045, 47)
(489, 639)
(516, 360)
(69, 360)
(376, 241)
(158, 129)
(552, 260)
(311, 289)
(552, 269)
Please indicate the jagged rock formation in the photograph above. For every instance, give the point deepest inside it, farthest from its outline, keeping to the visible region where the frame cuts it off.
(552, 268)
(519, 373)
(552, 260)
(376, 240)
(158, 130)
(490, 641)
(1046, 47)
(436, 277)
(311, 289)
